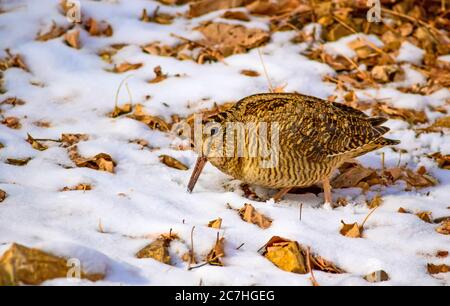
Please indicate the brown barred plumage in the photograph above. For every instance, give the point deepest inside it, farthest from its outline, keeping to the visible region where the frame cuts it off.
(315, 137)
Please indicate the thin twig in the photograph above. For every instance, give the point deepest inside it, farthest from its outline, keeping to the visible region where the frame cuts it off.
(44, 139)
(240, 246)
(265, 70)
(191, 251)
(301, 209)
(367, 217)
(310, 270)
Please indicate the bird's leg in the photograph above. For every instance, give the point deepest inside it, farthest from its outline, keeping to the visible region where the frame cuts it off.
(280, 194)
(327, 191)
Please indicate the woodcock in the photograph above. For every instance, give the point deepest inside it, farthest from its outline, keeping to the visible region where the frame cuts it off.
(315, 138)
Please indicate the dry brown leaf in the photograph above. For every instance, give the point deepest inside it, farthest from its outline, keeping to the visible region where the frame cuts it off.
(36, 144)
(436, 269)
(157, 17)
(21, 265)
(409, 115)
(215, 255)
(425, 216)
(215, 223)
(79, 187)
(68, 140)
(12, 61)
(231, 39)
(442, 160)
(72, 38)
(55, 32)
(377, 276)
(125, 67)
(12, 123)
(442, 254)
(272, 8)
(172, 162)
(418, 180)
(385, 73)
(352, 176)
(101, 162)
(444, 228)
(249, 214)
(250, 73)
(157, 250)
(121, 110)
(401, 210)
(95, 28)
(3, 195)
(152, 122)
(159, 75)
(18, 162)
(375, 202)
(353, 230)
(202, 7)
(14, 101)
(286, 255)
(236, 15)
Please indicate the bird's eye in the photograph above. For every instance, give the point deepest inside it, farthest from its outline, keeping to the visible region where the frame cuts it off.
(214, 131)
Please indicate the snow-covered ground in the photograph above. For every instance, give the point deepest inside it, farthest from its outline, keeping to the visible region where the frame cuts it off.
(72, 90)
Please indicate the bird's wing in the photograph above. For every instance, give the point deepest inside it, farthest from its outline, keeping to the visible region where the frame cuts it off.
(314, 128)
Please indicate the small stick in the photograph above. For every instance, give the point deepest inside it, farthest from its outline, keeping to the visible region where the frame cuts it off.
(44, 139)
(191, 257)
(308, 263)
(240, 246)
(367, 217)
(301, 209)
(265, 70)
(399, 158)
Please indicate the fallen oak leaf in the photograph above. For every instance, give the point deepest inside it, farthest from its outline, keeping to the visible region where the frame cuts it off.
(156, 250)
(286, 255)
(215, 223)
(352, 176)
(23, 265)
(101, 162)
(70, 139)
(95, 28)
(354, 230)
(442, 254)
(249, 214)
(443, 161)
(54, 32)
(425, 216)
(79, 187)
(35, 144)
(13, 101)
(444, 228)
(152, 122)
(171, 162)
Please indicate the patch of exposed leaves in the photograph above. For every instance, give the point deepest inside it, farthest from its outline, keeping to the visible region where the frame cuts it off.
(101, 162)
(174, 163)
(290, 256)
(236, 15)
(438, 126)
(249, 214)
(21, 265)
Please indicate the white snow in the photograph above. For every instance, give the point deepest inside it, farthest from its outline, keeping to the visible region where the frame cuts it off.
(410, 53)
(144, 198)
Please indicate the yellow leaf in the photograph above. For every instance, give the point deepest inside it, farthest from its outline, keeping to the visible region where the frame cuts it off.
(35, 144)
(215, 223)
(18, 162)
(249, 214)
(286, 255)
(425, 216)
(122, 110)
(351, 230)
(157, 250)
(152, 122)
(125, 67)
(444, 228)
(22, 265)
(214, 256)
(71, 139)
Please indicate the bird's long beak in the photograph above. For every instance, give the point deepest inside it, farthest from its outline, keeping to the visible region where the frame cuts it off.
(201, 162)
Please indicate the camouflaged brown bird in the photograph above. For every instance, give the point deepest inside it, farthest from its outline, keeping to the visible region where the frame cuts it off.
(315, 137)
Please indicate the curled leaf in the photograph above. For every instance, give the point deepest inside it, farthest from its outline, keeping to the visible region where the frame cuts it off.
(352, 230)
(215, 223)
(72, 38)
(172, 162)
(18, 162)
(3, 195)
(215, 255)
(436, 269)
(157, 250)
(249, 214)
(35, 144)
